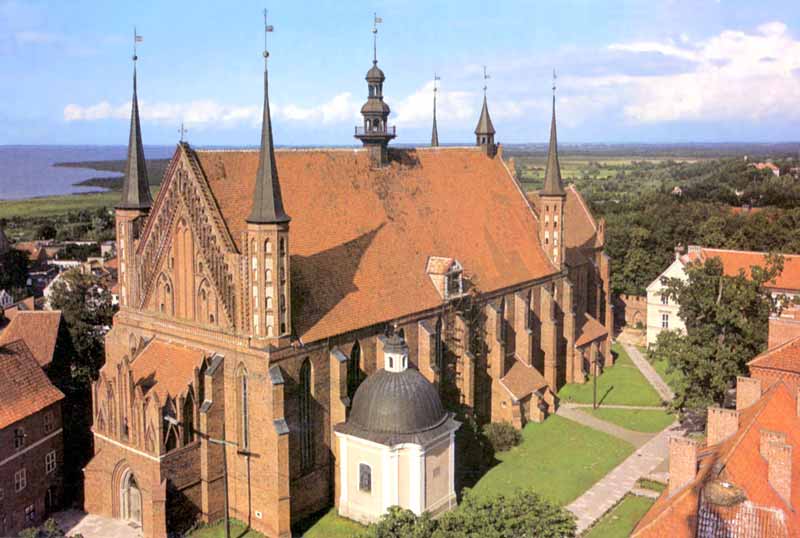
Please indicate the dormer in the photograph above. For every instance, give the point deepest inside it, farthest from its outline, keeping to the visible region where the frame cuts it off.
(446, 275)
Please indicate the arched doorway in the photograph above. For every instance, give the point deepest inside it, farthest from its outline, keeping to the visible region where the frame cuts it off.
(131, 500)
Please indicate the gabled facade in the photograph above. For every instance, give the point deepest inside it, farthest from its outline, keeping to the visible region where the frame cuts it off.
(238, 323)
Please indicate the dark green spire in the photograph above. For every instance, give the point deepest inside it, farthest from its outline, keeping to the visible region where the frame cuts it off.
(267, 201)
(552, 174)
(135, 187)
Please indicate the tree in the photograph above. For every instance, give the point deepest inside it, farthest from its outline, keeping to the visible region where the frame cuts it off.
(86, 308)
(522, 514)
(726, 321)
(46, 232)
(13, 270)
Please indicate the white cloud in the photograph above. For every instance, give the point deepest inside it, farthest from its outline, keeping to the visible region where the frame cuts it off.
(736, 75)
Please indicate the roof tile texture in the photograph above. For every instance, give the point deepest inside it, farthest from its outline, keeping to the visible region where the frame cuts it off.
(360, 238)
(24, 387)
(165, 368)
(734, 261)
(39, 330)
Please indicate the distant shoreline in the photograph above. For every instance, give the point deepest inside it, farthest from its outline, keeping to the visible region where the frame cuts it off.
(155, 167)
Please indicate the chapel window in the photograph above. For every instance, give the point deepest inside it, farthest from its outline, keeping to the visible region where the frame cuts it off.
(306, 430)
(244, 410)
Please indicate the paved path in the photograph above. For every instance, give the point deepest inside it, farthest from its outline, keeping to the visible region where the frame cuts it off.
(92, 526)
(649, 372)
(637, 439)
(601, 497)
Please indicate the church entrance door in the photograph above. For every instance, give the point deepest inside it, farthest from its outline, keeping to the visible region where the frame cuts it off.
(131, 500)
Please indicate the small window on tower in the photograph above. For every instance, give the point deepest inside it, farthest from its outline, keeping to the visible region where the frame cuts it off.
(364, 478)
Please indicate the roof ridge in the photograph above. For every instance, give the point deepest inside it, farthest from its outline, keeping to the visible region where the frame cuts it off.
(759, 252)
(766, 353)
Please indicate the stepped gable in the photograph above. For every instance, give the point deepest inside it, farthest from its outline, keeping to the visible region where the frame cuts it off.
(361, 236)
(24, 387)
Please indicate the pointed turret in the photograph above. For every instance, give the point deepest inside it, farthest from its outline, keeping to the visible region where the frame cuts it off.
(552, 175)
(267, 201)
(484, 131)
(435, 131)
(135, 187)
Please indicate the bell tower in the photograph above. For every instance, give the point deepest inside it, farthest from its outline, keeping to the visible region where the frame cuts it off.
(135, 203)
(553, 197)
(268, 240)
(376, 133)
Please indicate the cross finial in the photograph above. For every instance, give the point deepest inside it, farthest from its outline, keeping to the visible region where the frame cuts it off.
(183, 130)
(375, 21)
(554, 82)
(485, 78)
(267, 29)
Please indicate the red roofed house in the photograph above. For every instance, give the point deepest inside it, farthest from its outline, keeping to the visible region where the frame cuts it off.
(239, 322)
(31, 442)
(662, 313)
(41, 331)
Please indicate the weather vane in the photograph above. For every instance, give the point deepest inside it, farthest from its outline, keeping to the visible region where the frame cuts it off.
(554, 82)
(485, 78)
(435, 78)
(375, 21)
(136, 39)
(183, 130)
(267, 29)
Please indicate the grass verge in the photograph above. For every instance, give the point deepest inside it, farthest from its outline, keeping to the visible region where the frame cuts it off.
(327, 524)
(558, 458)
(620, 384)
(217, 530)
(620, 520)
(638, 420)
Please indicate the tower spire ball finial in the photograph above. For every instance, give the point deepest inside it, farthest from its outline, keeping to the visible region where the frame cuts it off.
(267, 29)
(485, 78)
(435, 130)
(375, 21)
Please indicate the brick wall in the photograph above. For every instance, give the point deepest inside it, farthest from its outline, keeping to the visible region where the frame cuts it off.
(630, 310)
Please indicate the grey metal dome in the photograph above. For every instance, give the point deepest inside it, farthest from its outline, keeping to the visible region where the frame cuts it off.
(397, 403)
(375, 106)
(375, 74)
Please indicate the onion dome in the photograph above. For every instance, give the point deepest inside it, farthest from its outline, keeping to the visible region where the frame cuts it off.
(375, 74)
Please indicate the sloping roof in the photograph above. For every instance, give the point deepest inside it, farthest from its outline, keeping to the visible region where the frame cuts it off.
(734, 261)
(784, 357)
(738, 461)
(522, 380)
(589, 330)
(360, 237)
(24, 387)
(165, 368)
(39, 330)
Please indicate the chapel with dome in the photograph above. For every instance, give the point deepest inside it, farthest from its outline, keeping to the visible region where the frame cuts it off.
(397, 447)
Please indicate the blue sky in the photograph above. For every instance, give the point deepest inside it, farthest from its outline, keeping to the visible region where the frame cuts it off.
(629, 71)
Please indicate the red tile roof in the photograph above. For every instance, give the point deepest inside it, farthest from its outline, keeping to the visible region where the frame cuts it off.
(738, 461)
(734, 261)
(784, 357)
(522, 380)
(24, 387)
(360, 237)
(165, 368)
(39, 329)
(589, 331)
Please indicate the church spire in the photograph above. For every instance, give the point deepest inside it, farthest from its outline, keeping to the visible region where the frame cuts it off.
(484, 131)
(267, 201)
(552, 175)
(435, 131)
(135, 187)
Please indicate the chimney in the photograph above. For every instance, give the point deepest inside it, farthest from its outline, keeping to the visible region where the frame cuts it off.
(682, 462)
(722, 423)
(779, 460)
(748, 391)
(678, 251)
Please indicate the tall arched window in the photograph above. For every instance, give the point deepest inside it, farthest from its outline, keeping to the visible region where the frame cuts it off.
(282, 246)
(353, 370)
(306, 431)
(244, 409)
(439, 351)
(188, 419)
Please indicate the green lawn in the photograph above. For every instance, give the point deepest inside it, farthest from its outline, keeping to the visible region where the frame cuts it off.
(652, 485)
(49, 206)
(621, 384)
(217, 530)
(558, 458)
(330, 525)
(621, 520)
(638, 420)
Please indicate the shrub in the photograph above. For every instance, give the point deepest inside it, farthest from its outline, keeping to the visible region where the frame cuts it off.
(502, 436)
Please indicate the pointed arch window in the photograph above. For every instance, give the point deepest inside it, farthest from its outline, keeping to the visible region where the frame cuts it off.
(188, 419)
(439, 351)
(306, 430)
(353, 370)
(244, 408)
(282, 246)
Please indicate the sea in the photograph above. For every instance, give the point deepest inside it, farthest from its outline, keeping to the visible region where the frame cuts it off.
(29, 171)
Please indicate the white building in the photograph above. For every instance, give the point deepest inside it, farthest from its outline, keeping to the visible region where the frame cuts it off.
(6, 299)
(662, 313)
